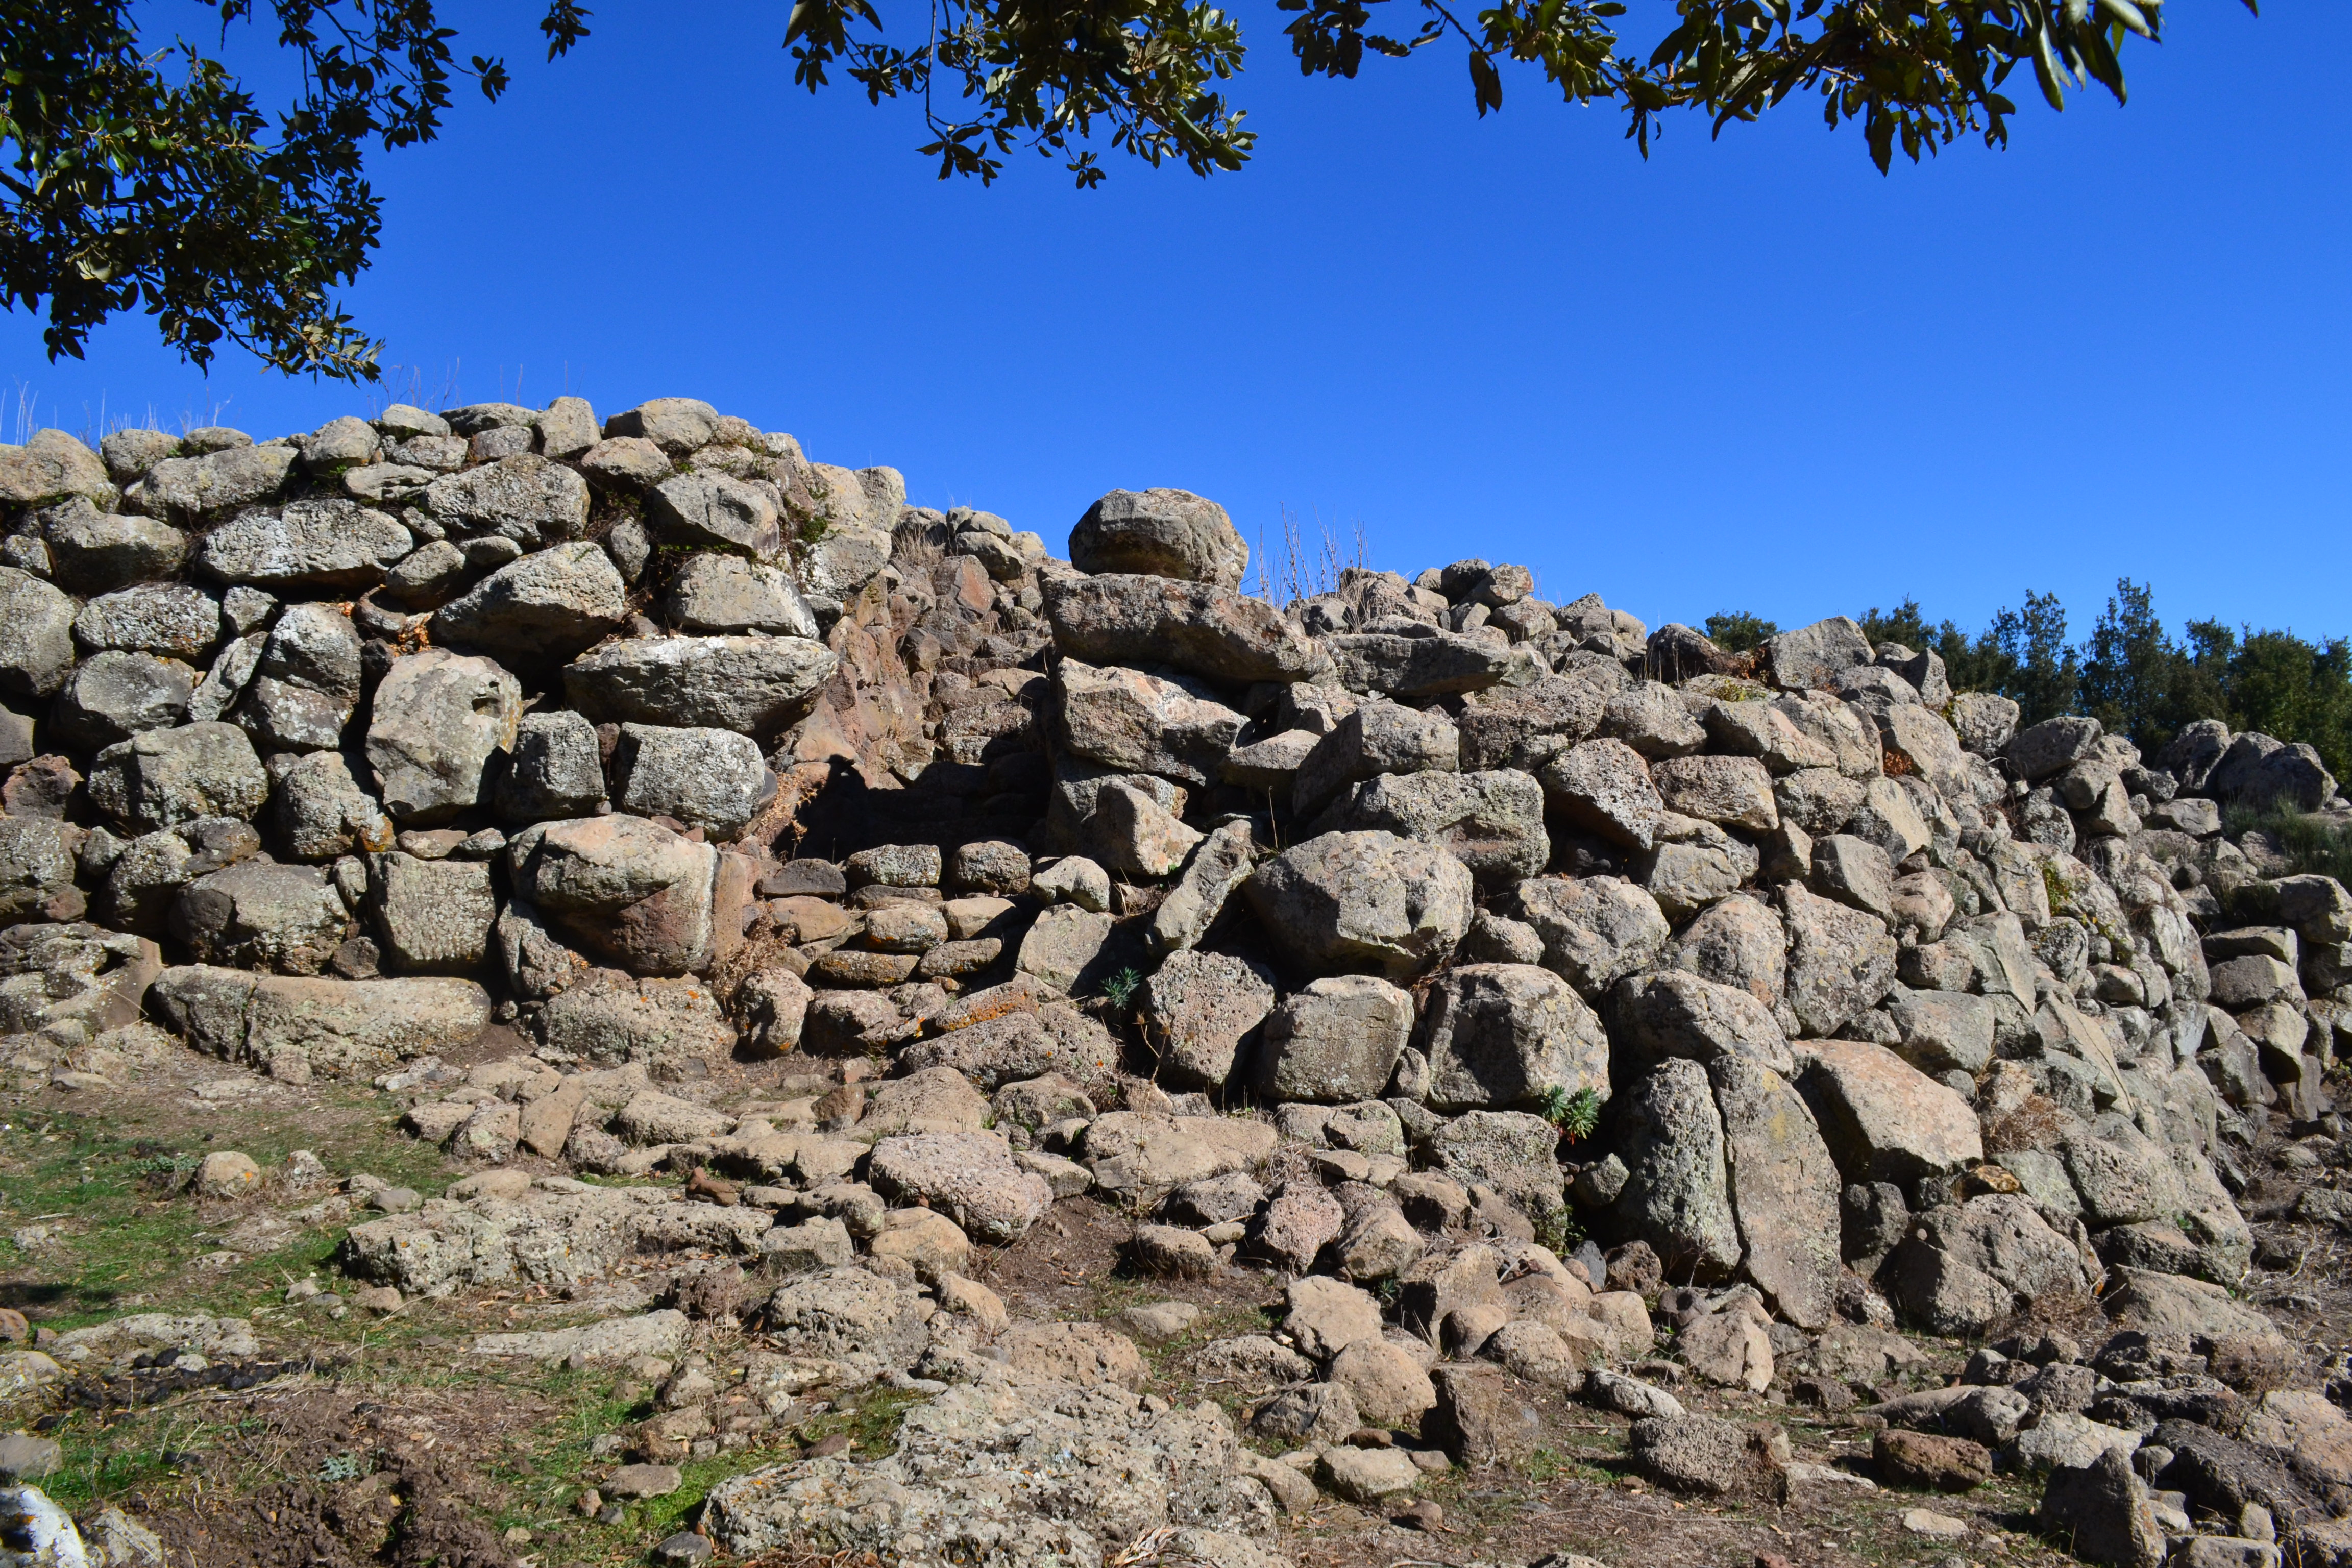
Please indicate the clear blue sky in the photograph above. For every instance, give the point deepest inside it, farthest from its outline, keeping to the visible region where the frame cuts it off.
(1748, 373)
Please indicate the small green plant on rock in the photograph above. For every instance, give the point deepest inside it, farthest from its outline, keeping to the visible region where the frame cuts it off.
(1576, 1115)
(1120, 988)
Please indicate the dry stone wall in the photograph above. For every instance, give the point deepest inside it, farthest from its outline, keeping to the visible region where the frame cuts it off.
(1556, 971)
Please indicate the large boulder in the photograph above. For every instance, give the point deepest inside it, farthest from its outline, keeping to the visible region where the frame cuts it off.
(1491, 821)
(623, 889)
(1141, 1156)
(757, 685)
(713, 592)
(1125, 618)
(431, 916)
(36, 646)
(971, 1177)
(713, 511)
(111, 697)
(1783, 1187)
(165, 776)
(1499, 1036)
(1841, 960)
(307, 684)
(523, 497)
(1884, 1120)
(712, 779)
(1125, 719)
(177, 620)
(1671, 1013)
(91, 552)
(1595, 929)
(1364, 901)
(1676, 1195)
(1964, 1267)
(1418, 662)
(546, 607)
(37, 869)
(341, 1028)
(555, 769)
(1160, 533)
(323, 546)
(258, 915)
(218, 481)
(51, 465)
(1336, 1039)
(437, 720)
(1604, 788)
(1374, 739)
(1198, 1009)
(1809, 657)
(672, 1027)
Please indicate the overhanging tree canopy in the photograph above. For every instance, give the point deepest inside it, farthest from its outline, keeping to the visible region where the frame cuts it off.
(146, 176)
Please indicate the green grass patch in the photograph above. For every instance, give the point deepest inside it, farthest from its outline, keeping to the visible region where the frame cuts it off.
(2313, 846)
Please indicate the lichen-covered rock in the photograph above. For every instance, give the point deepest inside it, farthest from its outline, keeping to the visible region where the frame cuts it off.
(969, 1176)
(1160, 533)
(1499, 1036)
(1129, 618)
(756, 685)
(1335, 1039)
(343, 1028)
(1364, 901)
(36, 646)
(545, 607)
(306, 545)
(165, 776)
(1198, 1010)
(623, 888)
(437, 720)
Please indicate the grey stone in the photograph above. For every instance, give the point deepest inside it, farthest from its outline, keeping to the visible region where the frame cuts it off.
(756, 685)
(1123, 618)
(432, 917)
(1731, 792)
(1676, 1195)
(1364, 901)
(711, 779)
(111, 697)
(1674, 1014)
(1424, 662)
(713, 511)
(1701, 1454)
(1595, 929)
(165, 776)
(331, 545)
(971, 1177)
(1783, 1189)
(91, 552)
(2051, 746)
(318, 810)
(2101, 1510)
(131, 452)
(728, 593)
(1604, 788)
(675, 425)
(169, 618)
(1841, 961)
(1198, 1009)
(1883, 1118)
(1125, 719)
(1510, 1150)
(257, 915)
(51, 464)
(1499, 1036)
(1160, 534)
(37, 645)
(623, 889)
(1062, 946)
(1984, 723)
(37, 867)
(1336, 1039)
(839, 566)
(1652, 717)
(546, 607)
(1944, 1031)
(218, 481)
(1810, 657)
(1524, 726)
(307, 683)
(1133, 835)
(554, 771)
(1491, 821)
(1374, 739)
(1218, 864)
(1819, 800)
(437, 720)
(523, 497)
(1737, 942)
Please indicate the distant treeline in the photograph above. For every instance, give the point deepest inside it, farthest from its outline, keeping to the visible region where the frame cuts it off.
(2130, 673)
